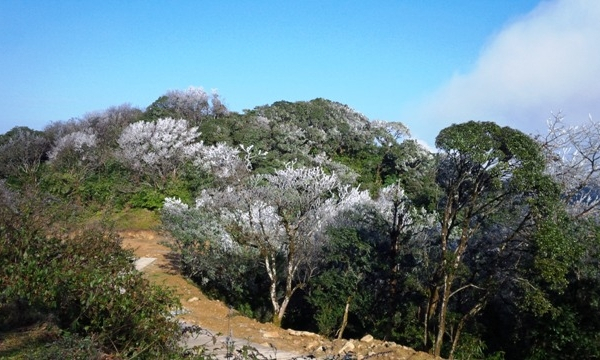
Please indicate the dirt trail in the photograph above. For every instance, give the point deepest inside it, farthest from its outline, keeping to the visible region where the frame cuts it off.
(216, 317)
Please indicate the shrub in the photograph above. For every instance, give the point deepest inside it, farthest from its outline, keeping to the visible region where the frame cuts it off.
(78, 274)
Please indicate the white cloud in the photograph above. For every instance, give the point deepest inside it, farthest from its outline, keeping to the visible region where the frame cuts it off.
(547, 60)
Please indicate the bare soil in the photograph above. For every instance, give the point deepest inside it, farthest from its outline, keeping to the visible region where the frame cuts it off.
(217, 318)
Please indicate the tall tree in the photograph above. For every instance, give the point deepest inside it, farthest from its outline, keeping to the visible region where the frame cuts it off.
(483, 167)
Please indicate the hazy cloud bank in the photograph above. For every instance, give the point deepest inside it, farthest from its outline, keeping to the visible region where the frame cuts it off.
(547, 60)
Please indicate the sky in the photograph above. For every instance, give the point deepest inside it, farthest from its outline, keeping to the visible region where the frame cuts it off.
(428, 64)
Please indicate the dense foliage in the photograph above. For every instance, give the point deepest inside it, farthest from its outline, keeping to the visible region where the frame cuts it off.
(310, 215)
(55, 268)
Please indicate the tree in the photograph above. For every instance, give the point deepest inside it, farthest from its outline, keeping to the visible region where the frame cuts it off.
(413, 167)
(560, 320)
(483, 168)
(338, 288)
(79, 143)
(108, 126)
(193, 104)
(159, 149)
(400, 218)
(573, 158)
(388, 133)
(387, 136)
(283, 216)
(73, 159)
(210, 257)
(222, 160)
(22, 151)
(371, 259)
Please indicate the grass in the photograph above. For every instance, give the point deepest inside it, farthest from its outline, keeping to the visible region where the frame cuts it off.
(136, 219)
(130, 219)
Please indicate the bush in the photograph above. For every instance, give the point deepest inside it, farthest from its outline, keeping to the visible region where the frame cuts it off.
(233, 274)
(79, 275)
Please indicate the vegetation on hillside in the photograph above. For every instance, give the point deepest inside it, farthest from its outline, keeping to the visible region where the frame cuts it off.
(310, 215)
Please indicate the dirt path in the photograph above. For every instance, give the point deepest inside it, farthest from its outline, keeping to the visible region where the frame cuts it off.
(216, 317)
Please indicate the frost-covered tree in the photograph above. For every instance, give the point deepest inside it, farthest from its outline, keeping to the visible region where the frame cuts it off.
(108, 124)
(193, 104)
(73, 158)
(388, 133)
(573, 160)
(190, 103)
(373, 243)
(283, 215)
(221, 160)
(159, 149)
(207, 253)
(290, 139)
(400, 217)
(77, 146)
(218, 108)
(58, 129)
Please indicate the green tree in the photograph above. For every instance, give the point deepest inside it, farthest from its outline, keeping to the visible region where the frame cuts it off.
(22, 152)
(484, 169)
(338, 289)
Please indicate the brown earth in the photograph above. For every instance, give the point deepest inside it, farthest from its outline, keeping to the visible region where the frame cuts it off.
(216, 317)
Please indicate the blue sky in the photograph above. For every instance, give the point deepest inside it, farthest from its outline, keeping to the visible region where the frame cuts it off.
(425, 63)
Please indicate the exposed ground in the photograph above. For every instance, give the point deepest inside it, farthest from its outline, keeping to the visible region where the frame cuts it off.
(217, 318)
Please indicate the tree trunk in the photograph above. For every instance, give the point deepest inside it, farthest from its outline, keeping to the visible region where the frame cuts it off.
(345, 318)
(280, 309)
(460, 326)
(272, 272)
(283, 308)
(430, 312)
(442, 315)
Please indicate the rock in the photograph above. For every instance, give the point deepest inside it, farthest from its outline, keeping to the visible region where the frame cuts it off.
(349, 346)
(367, 338)
(302, 333)
(193, 299)
(271, 335)
(178, 312)
(143, 262)
(313, 345)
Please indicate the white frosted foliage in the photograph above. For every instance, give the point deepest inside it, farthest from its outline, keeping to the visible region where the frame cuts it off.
(160, 145)
(573, 160)
(79, 141)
